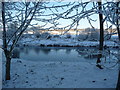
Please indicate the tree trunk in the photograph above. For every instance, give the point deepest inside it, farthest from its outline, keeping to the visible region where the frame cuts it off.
(8, 64)
(7, 53)
(118, 82)
(101, 27)
(118, 21)
(118, 30)
(101, 35)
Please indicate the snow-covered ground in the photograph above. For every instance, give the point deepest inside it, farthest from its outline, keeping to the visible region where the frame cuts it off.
(31, 74)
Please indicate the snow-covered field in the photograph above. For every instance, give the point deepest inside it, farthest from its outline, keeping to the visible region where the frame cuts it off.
(28, 74)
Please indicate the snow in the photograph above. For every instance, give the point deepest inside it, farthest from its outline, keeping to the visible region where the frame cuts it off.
(50, 74)
(64, 42)
(31, 74)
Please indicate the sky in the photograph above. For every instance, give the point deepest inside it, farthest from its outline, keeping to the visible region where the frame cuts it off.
(83, 23)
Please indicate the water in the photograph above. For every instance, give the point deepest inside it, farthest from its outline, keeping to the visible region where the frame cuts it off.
(59, 54)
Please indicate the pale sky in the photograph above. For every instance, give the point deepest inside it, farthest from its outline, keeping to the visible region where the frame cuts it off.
(83, 22)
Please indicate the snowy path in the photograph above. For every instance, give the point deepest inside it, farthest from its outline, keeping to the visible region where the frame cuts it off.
(28, 74)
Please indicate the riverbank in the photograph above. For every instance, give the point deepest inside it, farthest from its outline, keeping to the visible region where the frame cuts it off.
(65, 43)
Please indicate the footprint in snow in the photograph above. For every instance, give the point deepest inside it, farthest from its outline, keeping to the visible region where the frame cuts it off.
(26, 82)
(93, 81)
(62, 78)
(105, 79)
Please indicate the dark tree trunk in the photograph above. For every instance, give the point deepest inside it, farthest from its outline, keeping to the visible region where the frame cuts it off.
(118, 82)
(118, 21)
(8, 63)
(7, 53)
(101, 35)
(118, 30)
(101, 27)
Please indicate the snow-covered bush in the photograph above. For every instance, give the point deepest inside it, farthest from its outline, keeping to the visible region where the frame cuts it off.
(90, 34)
(68, 35)
(45, 35)
(82, 37)
(37, 34)
(93, 34)
(56, 36)
(114, 37)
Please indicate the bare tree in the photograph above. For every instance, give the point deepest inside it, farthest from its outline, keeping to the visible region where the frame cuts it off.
(28, 18)
(111, 13)
(24, 13)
